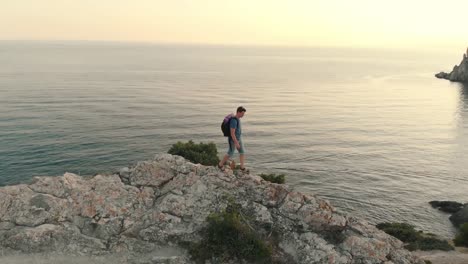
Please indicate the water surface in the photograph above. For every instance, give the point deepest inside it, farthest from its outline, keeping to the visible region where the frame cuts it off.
(370, 130)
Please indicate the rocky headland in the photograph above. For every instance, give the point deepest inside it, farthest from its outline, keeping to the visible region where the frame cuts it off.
(459, 72)
(149, 211)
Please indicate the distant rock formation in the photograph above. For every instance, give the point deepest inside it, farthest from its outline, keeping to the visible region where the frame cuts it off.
(459, 72)
(159, 205)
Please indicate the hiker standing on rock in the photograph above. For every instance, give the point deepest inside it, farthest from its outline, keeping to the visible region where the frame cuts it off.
(232, 128)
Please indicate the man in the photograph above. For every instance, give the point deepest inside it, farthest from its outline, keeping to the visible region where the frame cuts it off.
(235, 140)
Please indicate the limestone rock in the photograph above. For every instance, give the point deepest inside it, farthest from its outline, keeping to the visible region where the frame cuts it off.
(164, 203)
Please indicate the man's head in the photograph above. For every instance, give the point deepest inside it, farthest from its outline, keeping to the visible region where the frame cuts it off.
(240, 111)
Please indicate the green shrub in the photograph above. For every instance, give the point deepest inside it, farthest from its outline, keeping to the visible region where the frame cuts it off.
(414, 239)
(280, 178)
(228, 236)
(462, 238)
(205, 154)
(403, 231)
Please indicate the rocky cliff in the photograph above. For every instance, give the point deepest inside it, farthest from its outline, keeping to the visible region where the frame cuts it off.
(459, 72)
(148, 211)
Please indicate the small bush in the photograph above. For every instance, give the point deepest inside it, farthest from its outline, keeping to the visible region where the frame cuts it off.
(205, 154)
(280, 178)
(228, 237)
(404, 232)
(462, 238)
(414, 239)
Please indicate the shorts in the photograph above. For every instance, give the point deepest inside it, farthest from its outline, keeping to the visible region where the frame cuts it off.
(232, 147)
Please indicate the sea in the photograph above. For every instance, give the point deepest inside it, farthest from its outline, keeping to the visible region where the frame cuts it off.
(371, 130)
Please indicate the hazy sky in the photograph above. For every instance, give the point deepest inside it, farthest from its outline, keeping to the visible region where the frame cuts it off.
(271, 22)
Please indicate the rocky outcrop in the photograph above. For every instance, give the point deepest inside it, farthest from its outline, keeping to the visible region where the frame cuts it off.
(157, 206)
(447, 206)
(460, 217)
(458, 210)
(459, 72)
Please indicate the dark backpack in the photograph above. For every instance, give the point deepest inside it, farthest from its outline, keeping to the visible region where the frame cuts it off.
(226, 125)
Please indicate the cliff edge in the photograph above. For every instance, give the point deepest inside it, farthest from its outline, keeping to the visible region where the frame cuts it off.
(162, 204)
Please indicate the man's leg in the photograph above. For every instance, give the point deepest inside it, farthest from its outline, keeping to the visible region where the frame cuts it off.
(241, 154)
(226, 157)
(228, 154)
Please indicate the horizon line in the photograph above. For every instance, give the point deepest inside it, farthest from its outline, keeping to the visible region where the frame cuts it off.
(167, 43)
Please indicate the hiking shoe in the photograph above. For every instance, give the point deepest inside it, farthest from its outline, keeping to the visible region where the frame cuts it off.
(244, 170)
(221, 168)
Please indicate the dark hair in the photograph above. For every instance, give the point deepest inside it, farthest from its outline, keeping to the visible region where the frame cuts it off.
(241, 109)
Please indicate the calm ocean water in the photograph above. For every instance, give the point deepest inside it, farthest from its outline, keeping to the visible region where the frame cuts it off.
(370, 130)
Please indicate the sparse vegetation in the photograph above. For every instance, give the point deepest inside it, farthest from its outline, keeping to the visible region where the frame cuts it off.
(228, 236)
(272, 177)
(462, 238)
(205, 154)
(414, 239)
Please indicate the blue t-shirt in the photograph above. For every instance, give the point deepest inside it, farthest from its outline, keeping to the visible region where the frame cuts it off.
(236, 124)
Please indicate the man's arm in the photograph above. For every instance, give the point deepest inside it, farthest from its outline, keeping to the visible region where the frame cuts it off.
(233, 136)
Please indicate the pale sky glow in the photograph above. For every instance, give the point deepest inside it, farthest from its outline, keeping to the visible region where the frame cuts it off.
(367, 23)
